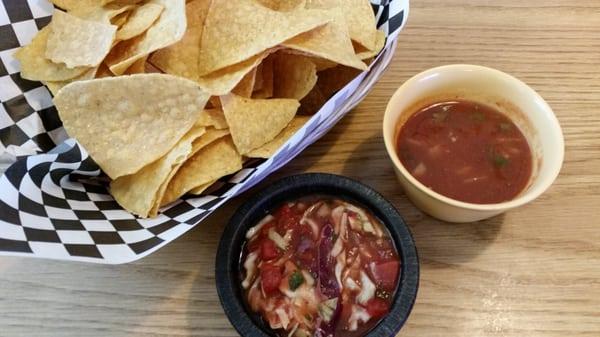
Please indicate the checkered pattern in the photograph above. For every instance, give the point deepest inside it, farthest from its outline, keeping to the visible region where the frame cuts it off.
(54, 201)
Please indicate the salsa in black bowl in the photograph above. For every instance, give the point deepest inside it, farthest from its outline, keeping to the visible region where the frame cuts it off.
(317, 255)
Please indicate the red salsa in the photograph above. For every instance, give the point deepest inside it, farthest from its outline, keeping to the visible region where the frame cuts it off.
(320, 267)
(466, 151)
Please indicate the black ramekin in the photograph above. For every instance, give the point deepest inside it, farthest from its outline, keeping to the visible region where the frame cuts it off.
(228, 254)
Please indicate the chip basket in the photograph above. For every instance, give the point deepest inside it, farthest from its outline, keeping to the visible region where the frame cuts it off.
(54, 202)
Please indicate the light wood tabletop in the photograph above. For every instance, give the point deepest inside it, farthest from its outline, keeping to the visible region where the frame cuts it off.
(534, 271)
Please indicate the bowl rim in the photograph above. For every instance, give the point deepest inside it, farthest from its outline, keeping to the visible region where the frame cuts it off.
(291, 187)
(522, 199)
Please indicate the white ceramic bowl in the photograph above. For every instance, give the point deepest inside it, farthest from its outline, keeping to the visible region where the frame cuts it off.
(510, 96)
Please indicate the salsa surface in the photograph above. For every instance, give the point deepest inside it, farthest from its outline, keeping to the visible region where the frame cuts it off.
(466, 151)
(320, 267)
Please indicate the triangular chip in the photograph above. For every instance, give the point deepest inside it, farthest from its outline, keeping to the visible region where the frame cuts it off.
(237, 30)
(139, 21)
(138, 192)
(54, 87)
(200, 189)
(167, 30)
(128, 122)
(214, 118)
(222, 82)
(35, 66)
(266, 90)
(269, 149)
(246, 85)
(255, 122)
(77, 42)
(210, 136)
(358, 16)
(181, 58)
(294, 76)
(365, 54)
(214, 161)
(330, 42)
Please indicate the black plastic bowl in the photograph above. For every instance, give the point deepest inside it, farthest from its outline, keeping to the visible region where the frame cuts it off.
(228, 255)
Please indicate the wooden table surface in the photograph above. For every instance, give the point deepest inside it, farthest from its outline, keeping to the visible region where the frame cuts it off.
(532, 272)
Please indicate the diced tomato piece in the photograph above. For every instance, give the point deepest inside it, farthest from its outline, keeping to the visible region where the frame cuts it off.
(385, 274)
(270, 277)
(377, 307)
(268, 250)
(287, 218)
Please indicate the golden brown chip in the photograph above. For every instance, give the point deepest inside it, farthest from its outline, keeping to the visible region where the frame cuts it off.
(266, 90)
(255, 122)
(77, 42)
(334, 79)
(237, 30)
(140, 20)
(214, 118)
(138, 192)
(120, 19)
(54, 87)
(214, 161)
(222, 82)
(358, 17)
(128, 122)
(330, 42)
(35, 66)
(167, 30)
(294, 76)
(138, 67)
(246, 85)
(283, 5)
(74, 5)
(200, 189)
(269, 149)
(313, 102)
(364, 54)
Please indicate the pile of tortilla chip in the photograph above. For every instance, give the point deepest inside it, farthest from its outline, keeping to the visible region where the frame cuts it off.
(168, 96)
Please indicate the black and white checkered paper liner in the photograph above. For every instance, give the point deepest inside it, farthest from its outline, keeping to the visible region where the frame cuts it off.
(53, 198)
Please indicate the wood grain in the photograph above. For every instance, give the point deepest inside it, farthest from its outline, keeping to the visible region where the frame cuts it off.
(532, 272)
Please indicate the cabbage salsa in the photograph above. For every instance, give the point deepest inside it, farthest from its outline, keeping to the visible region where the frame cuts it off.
(321, 267)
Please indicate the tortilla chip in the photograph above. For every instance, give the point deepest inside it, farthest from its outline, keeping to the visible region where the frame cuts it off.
(214, 118)
(35, 66)
(74, 5)
(358, 16)
(138, 192)
(181, 59)
(267, 79)
(54, 87)
(283, 5)
(294, 76)
(77, 42)
(313, 102)
(237, 30)
(167, 30)
(255, 122)
(223, 81)
(120, 19)
(128, 122)
(212, 162)
(139, 21)
(246, 85)
(365, 54)
(200, 189)
(330, 42)
(334, 79)
(102, 14)
(138, 67)
(269, 149)
(210, 136)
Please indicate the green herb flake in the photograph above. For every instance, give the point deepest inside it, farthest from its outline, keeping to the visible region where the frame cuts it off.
(296, 280)
(499, 161)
